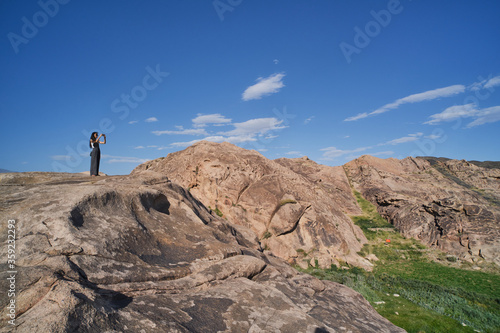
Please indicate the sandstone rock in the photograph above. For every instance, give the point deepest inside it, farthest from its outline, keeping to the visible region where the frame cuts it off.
(453, 205)
(140, 254)
(290, 204)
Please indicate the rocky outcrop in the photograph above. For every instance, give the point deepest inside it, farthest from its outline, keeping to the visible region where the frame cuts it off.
(298, 209)
(141, 254)
(453, 205)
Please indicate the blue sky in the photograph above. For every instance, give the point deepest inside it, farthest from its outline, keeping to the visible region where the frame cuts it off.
(332, 80)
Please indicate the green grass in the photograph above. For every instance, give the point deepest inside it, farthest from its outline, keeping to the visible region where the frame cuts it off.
(217, 211)
(433, 297)
(287, 201)
(267, 235)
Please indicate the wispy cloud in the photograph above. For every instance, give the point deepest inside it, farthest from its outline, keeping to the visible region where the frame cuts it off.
(481, 116)
(453, 113)
(485, 84)
(259, 126)
(202, 120)
(415, 98)
(151, 120)
(60, 157)
(191, 131)
(124, 159)
(357, 117)
(264, 87)
(493, 82)
(217, 138)
(405, 139)
(294, 153)
(308, 120)
(133, 122)
(484, 116)
(333, 153)
(381, 153)
(246, 131)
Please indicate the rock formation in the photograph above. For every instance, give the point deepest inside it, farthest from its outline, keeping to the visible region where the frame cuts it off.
(139, 253)
(451, 204)
(298, 209)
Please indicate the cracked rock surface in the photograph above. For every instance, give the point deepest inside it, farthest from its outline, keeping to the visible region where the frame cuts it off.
(298, 208)
(450, 204)
(139, 253)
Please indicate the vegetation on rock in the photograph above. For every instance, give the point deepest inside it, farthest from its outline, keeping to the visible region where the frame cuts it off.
(411, 289)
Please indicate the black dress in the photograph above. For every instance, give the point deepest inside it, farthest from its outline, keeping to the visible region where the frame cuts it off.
(95, 158)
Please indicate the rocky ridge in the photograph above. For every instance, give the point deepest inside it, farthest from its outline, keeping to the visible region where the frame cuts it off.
(139, 253)
(298, 208)
(450, 204)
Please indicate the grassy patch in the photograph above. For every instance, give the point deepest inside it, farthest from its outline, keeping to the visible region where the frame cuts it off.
(216, 211)
(287, 201)
(267, 235)
(431, 297)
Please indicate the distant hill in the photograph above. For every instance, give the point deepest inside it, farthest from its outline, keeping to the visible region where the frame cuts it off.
(484, 164)
(5, 171)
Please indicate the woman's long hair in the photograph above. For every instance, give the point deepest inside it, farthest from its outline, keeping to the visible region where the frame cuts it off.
(92, 138)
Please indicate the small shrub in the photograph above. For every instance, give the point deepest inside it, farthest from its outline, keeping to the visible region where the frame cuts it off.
(218, 212)
(287, 201)
(451, 258)
(302, 252)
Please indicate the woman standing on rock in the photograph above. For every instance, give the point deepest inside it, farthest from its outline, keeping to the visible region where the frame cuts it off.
(95, 154)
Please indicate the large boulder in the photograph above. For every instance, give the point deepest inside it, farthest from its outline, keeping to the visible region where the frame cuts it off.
(141, 254)
(298, 209)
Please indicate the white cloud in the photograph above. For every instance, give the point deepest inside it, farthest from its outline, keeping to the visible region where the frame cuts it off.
(133, 122)
(151, 120)
(276, 61)
(259, 126)
(124, 159)
(493, 82)
(217, 138)
(405, 139)
(193, 131)
(139, 147)
(332, 153)
(433, 137)
(484, 116)
(246, 131)
(264, 87)
(452, 113)
(308, 120)
(60, 157)
(294, 153)
(415, 98)
(432, 94)
(357, 117)
(216, 118)
(388, 152)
